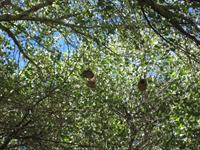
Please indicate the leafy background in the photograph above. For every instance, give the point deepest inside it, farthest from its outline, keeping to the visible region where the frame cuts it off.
(46, 104)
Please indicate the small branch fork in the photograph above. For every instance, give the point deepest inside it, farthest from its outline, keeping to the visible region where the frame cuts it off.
(188, 54)
(12, 36)
(165, 12)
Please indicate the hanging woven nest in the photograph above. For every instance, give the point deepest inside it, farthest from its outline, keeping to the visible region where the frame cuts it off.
(87, 74)
(142, 85)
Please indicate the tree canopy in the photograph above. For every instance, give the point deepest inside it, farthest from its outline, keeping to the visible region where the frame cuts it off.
(99, 74)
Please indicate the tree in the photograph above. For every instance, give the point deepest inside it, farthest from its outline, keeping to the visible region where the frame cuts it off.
(46, 104)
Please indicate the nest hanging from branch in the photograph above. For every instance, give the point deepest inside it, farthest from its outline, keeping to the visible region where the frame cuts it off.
(142, 85)
(91, 78)
(87, 74)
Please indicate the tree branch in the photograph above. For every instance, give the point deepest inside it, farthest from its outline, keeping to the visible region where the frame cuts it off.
(12, 36)
(19, 126)
(171, 17)
(8, 17)
(164, 39)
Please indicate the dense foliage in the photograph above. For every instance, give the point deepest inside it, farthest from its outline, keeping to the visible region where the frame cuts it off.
(47, 103)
